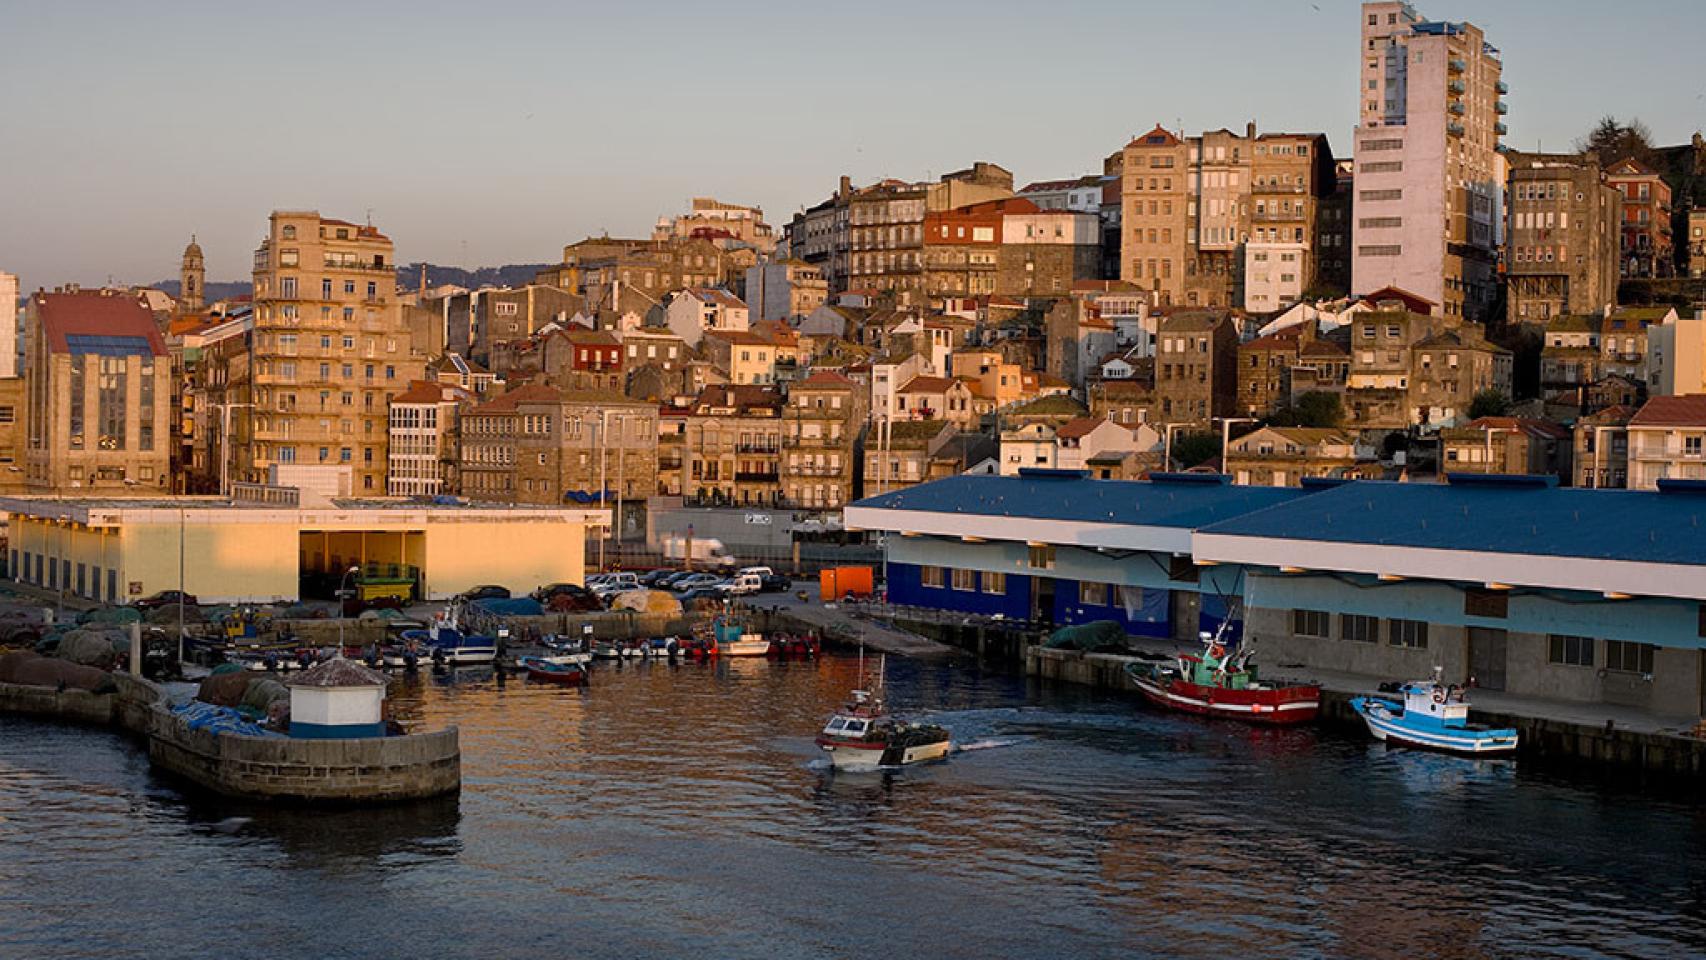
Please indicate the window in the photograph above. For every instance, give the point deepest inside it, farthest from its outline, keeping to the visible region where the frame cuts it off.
(1407, 633)
(1311, 623)
(965, 580)
(1041, 557)
(995, 583)
(1622, 656)
(1353, 626)
(930, 577)
(1093, 594)
(1570, 651)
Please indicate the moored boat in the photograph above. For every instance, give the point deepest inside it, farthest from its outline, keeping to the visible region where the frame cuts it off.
(863, 735)
(542, 670)
(733, 639)
(1219, 683)
(1432, 715)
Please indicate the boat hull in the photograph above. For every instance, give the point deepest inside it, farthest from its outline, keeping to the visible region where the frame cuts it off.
(863, 755)
(1389, 726)
(1280, 706)
(743, 648)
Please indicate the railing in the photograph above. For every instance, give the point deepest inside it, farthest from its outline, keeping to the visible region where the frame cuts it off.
(770, 476)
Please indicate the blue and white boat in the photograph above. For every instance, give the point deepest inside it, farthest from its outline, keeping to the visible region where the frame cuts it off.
(444, 644)
(1432, 716)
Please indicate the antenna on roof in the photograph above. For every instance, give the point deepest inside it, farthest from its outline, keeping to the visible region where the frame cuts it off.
(370, 216)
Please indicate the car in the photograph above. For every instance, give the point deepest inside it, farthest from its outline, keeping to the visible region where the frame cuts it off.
(485, 591)
(166, 598)
(774, 583)
(550, 590)
(741, 585)
(651, 578)
(695, 580)
(760, 571)
(700, 593)
(611, 591)
(669, 581)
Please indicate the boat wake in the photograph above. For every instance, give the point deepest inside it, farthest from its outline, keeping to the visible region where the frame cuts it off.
(988, 744)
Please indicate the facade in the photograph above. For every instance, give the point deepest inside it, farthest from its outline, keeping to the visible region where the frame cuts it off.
(1667, 440)
(216, 402)
(1409, 368)
(723, 447)
(696, 310)
(1624, 341)
(1562, 236)
(192, 279)
(1600, 448)
(98, 388)
(331, 347)
(620, 274)
(1429, 178)
(1264, 370)
(1569, 358)
(541, 445)
(1645, 223)
(1676, 354)
(1697, 242)
(506, 316)
(898, 453)
(821, 426)
(13, 406)
(886, 226)
(1508, 445)
(423, 442)
(729, 224)
(784, 289)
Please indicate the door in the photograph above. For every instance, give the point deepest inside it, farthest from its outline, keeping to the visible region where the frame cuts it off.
(1042, 599)
(1487, 657)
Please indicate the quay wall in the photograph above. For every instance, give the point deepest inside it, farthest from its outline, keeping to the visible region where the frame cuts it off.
(356, 771)
(1540, 737)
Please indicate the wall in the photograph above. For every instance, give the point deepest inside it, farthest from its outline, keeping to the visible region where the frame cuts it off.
(906, 589)
(223, 562)
(520, 556)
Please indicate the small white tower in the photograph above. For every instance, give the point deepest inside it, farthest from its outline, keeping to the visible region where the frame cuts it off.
(338, 699)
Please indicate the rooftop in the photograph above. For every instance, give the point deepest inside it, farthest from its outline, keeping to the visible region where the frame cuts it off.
(1687, 410)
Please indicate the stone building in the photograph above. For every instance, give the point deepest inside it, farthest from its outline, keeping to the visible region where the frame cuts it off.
(1569, 358)
(98, 383)
(886, 226)
(192, 280)
(1264, 370)
(1284, 456)
(331, 347)
(723, 447)
(605, 270)
(821, 426)
(1600, 447)
(784, 289)
(1697, 242)
(1125, 402)
(1196, 358)
(1561, 241)
(1508, 445)
(506, 316)
(538, 444)
(1451, 367)
(1645, 224)
(729, 224)
(898, 453)
(1292, 178)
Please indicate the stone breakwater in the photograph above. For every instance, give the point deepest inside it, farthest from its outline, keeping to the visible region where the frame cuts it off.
(359, 771)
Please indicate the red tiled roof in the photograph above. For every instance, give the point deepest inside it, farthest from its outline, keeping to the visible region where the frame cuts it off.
(1158, 137)
(1528, 425)
(1687, 410)
(429, 391)
(529, 393)
(1414, 302)
(923, 384)
(825, 378)
(95, 314)
(1078, 427)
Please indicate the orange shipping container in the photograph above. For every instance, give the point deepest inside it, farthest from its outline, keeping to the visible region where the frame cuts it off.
(837, 582)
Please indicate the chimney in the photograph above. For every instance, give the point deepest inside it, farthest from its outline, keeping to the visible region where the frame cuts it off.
(846, 186)
(1250, 130)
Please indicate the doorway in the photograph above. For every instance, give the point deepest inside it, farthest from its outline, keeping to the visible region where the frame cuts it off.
(1487, 657)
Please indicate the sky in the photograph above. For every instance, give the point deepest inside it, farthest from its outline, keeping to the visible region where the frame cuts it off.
(479, 134)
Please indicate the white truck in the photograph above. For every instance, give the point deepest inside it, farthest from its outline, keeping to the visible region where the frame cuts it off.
(741, 585)
(707, 552)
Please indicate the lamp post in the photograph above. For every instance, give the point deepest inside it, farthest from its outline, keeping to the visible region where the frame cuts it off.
(1226, 435)
(225, 442)
(1167, 448)
(342, 592)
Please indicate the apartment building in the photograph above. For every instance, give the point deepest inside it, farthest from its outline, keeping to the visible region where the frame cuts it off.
(11, 345)
(538, 444)
(216, 401)
(1676, 354)
(1645, 236)
(1569, 358)
(1600, 447)
(603, 270)
(1624, 342)
(505, 316)
(1264, 369)
(695, 310)
(1508, 445)
(784, 289)
(423, 439)
(1429, 177)
(1409, 368)
(723, 447)
(1697, 242)
(1284, 456)
(1196, 361)
(886, 226)
(898, 454)
(1451, 367)
(1292, 179)
(1667, 440)
(98, 389)
(331, 347)
(820, 433)
(1562, 237)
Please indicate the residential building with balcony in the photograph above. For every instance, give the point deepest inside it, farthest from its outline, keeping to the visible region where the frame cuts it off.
(1624, 340)
(1645, 223)
(423, 440)
(886, 226)
(723, 447)
(1561, 237)
(97, 396)
(1600, 447)
(1667, 440)
(1284, 456)
(1570, 358)
(331, 348)
(1429, 178)
(1508, 445)
(538, 444)
(696, 310)
(821, 426)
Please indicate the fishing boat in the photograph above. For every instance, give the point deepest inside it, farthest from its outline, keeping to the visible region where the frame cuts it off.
(444, 644)
(733, 639)
(1433, 716)
(1220, 683)
(542, 670)
(863, 735)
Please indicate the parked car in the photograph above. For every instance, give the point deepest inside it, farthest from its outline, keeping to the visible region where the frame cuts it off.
(706, 592)
(651, 578)
(485, 591)
(741, 585)
(673, 580)
(550, 590)
(610, 592)
(774, 583)
(166, 598)
(694, 580)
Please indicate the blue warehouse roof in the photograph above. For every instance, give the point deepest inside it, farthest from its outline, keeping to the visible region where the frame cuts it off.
(1493, 515)
(1185, 501)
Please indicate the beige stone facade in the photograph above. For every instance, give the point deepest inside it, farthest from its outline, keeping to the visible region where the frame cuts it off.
(1284, 456)
(1196, 354)
(820, 436)
(540, 445)
(723, 447)
(1561, 240)
(331, 347)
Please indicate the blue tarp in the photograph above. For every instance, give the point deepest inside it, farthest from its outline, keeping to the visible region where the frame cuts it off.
(511, 607)
(206, 716)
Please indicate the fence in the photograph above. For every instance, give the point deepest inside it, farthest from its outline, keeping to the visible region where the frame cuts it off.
(812, 556)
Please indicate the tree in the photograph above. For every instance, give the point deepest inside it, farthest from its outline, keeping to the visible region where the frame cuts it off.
(1489, 403)
(1192, 449)
(1318, 408)
(1613, 140)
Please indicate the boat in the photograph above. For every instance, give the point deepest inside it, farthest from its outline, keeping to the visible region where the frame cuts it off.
(733, 640)
(864, 736)
(1221, 683)
(561, 650)
(794, 646)
(443, 644)
(541, 670)
(1432, 716)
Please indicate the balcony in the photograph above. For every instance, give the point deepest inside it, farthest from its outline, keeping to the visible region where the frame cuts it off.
(1457, 65)
(1504, 88)
(1501, 108)
(1457, 87)
(772, 447)
(1456, 107)
(760, 476)
(1454, 128)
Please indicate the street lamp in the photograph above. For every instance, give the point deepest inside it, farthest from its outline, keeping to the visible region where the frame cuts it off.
(225, 440)
(1167, 448)
(1226, 435)
(343, 591)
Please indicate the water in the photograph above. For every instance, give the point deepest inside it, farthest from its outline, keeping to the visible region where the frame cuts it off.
(674, 811)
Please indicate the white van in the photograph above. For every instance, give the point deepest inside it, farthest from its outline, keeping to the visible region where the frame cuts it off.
(742, 584)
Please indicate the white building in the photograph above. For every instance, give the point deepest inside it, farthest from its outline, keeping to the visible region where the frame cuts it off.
(1273, 275)
(698, 309)
(1429, 178)
(420, 439)
(11, 346)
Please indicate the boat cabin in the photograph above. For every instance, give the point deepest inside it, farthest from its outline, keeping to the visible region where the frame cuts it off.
(1436, 701)
(848, 727)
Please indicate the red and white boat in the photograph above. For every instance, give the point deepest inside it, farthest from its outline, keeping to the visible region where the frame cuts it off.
(1217, 683)
(863, 735)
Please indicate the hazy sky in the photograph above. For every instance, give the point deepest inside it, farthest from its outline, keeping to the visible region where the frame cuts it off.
(494, 132)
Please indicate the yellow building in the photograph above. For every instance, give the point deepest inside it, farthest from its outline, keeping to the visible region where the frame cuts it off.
(330, 348)
(236, 550)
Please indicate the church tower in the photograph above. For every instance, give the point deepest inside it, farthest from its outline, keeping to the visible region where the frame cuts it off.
(191, 279)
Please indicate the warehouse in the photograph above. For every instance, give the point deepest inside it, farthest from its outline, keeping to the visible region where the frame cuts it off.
(238, 550)
(1510, 583)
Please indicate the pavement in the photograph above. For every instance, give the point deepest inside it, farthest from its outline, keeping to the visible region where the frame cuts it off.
(853, 621)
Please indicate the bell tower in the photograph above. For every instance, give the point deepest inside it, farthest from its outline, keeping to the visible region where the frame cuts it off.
(192, 278)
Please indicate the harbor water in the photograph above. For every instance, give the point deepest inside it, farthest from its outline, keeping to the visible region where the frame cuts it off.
(670, 811)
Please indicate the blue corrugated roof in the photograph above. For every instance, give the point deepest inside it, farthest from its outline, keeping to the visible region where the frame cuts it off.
(1189, 503)
(1542, 520)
